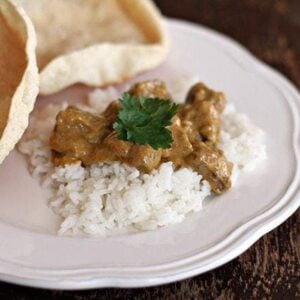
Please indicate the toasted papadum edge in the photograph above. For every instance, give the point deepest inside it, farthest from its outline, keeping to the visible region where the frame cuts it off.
(104, 63)
(25, 95)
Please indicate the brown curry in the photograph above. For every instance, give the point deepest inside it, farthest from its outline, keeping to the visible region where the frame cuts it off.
(82, 136)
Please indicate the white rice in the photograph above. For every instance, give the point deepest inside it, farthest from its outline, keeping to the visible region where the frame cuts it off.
(107, 199)
(241, 141)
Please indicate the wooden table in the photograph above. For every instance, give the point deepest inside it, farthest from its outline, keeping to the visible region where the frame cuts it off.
(270, 268)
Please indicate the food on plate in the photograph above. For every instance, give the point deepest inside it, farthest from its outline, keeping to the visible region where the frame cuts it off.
(143, 130)
(95, 42)
(107, 175)
(18, 74)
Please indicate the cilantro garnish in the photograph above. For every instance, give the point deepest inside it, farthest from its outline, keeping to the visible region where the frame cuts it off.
(143, 121)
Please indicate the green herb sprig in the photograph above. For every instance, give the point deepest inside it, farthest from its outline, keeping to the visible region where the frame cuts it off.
(143, 120)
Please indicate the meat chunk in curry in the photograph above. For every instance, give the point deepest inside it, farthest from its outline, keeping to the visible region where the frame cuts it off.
(151, 88)
(83, 137)
(202, 111)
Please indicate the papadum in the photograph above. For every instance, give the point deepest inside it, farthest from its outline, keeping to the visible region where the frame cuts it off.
(18, 74)
(95, 42)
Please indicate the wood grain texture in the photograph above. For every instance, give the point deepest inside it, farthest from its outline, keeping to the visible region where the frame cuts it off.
(270, 269)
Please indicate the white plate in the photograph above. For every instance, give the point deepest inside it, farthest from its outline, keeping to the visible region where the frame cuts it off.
(31, 253)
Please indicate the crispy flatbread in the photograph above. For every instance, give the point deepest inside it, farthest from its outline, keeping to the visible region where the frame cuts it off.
(95, 42)
(18, 74)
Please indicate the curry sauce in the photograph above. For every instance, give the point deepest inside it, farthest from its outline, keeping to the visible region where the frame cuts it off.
(80, 136)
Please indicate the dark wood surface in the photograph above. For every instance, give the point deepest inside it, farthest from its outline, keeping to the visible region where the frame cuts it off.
(270, 269)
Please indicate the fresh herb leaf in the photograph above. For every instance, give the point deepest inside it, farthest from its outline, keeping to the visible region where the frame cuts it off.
(143, 121)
